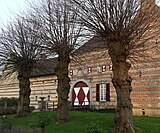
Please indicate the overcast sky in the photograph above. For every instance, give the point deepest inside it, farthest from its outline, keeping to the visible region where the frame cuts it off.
(9, 8)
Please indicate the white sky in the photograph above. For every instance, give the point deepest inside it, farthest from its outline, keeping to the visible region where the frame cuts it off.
(9, 9)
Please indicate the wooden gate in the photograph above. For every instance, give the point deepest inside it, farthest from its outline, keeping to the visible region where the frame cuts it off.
(81, 94)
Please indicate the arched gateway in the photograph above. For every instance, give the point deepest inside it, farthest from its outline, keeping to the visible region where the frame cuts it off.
(80, 94)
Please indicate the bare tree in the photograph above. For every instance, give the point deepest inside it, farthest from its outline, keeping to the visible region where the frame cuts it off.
(126, 26)
(61, 37)
(20, 54)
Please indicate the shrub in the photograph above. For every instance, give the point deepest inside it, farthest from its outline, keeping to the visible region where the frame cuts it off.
(94, 127)
(8, 110)
(7, 127)
(6, 124)
(2, 102)
(42, 122)
(19, 130)
(10, 102)
(8, 105)
(32, 108)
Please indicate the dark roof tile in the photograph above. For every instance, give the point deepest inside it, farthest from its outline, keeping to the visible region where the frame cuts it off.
(45, 67)
(94, 44)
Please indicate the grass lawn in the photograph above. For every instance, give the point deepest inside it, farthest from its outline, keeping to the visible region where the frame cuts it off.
(79, 121)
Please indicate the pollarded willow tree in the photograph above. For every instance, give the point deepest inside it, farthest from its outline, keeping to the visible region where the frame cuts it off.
(61, 36)
(20, 54)
(125, 26)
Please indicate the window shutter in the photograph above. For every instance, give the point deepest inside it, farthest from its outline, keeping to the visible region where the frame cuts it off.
(97, 92)
(107, 92)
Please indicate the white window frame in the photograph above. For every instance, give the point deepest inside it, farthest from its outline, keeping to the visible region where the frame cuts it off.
(102, 92)
(103, 68)
(71, 72)
(89, 70)
(110, 67)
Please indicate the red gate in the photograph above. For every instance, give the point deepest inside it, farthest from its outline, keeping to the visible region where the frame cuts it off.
(80, 94)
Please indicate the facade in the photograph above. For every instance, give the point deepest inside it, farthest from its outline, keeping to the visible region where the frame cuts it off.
(91, 80)
(91, 83)
(43, 84)
(90, 72)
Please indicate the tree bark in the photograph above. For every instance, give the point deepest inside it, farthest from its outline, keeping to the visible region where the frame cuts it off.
(42, 130)
(63, 87)
(24, 96)
(122, 83)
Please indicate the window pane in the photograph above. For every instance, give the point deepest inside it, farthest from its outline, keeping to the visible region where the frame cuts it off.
(103, 92)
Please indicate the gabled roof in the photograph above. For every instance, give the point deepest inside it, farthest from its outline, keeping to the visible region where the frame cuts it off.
(45, 67)
(96, 43)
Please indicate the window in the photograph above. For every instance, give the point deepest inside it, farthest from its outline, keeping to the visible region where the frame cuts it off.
(110, 67)
(71, 72)
(99, 69)
(103, 92)
(89, 70)
(103, 68)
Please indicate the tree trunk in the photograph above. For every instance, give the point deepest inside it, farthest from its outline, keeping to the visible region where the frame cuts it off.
(42, 130)
(122, 83)
(24, 96)
(63, 87)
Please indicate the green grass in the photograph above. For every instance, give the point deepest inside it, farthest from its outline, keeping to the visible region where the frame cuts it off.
(79, 121)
